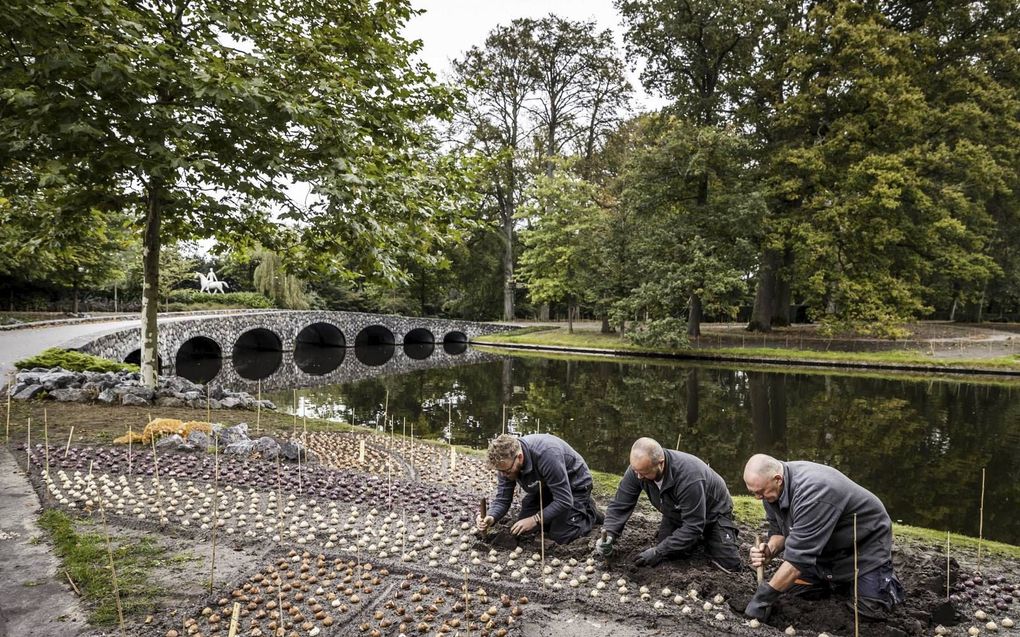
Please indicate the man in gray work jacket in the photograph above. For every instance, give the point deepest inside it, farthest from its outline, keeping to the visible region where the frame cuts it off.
(541, 462)
(811, 510)
(695, 504)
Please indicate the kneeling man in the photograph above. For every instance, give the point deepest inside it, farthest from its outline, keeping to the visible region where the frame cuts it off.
(811, 510)
(541, 462)
(695, 504)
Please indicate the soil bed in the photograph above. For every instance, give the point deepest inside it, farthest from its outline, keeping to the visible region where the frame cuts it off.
(395, 533)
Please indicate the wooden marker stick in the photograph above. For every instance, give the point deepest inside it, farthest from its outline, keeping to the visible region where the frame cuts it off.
(69, 436)
(258, 409)
(483, 510)
(10, 390)
(857, 622)
(981, 520)
(28, 449)
(109, 553)
(759, 572)
(235, 616)
(947, 564)
(46, 440)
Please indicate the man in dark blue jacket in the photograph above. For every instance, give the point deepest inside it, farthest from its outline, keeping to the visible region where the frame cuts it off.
(695, 504)
(541, 463)
(816, 516)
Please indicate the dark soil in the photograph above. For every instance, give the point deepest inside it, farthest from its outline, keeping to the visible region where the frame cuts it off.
(554, 606)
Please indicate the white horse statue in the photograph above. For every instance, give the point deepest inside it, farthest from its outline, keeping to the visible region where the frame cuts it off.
(210, 284)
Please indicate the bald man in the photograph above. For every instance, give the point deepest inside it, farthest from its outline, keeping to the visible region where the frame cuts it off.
(811, 510)
(695, 504)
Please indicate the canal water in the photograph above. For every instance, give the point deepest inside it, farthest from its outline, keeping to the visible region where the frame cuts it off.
(919, 443)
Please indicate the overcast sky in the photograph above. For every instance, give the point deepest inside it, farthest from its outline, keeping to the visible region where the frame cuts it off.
(450, 27)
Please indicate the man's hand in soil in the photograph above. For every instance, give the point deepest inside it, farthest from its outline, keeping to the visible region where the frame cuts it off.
(761, 604)
(484, 524)
(605, 547)
(648, 557)
(760, 555)
(525, 525)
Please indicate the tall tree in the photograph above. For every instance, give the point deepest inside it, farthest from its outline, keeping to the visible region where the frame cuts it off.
(563, 209)
(696, 50)
(542, 88)
(194, 115)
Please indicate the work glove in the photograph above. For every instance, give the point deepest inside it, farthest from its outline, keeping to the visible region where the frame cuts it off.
(605, 547)
(648, 557)
(761, 604)
(482, 525)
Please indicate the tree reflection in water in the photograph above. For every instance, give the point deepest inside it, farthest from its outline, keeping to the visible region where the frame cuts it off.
(918, 444)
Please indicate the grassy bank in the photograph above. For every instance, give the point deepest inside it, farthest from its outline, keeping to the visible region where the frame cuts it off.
(85, 558)
(591, 340)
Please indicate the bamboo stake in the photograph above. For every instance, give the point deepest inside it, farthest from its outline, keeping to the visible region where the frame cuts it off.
(109, 553)
(279, 531)
(10, 390)
(678, 440)
(46, 440)
(28, 449)
(69, 436)
(541, 528)
(386, 405)
(71, 582)
(216, 509)
(258, 409)
(413, 466)
(981, 520)
(538, 425)
(467, 598)
(857, 622)
(208, 407)
(293, 429)
(361, 451)
(504, 418)
(159, 487)
(453, 460)
(759, 571)
(947, 564)
(131, 436)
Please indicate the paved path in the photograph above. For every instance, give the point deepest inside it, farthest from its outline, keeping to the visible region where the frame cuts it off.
(21, 343)
(35, 598)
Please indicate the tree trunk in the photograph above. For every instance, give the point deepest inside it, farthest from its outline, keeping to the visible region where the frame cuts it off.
(693, 402)
(765, 296)
(508, 266)
(606, 327)
(783, 292)
(150, 286)
(570, 318)
(76, 286)
(543, 312)
(694, 317)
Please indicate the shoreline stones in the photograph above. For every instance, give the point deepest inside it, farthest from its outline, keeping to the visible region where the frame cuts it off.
(125, 388)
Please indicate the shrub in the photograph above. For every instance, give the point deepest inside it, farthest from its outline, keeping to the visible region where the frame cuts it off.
(234, 299)
(670, 333)
(73, 361)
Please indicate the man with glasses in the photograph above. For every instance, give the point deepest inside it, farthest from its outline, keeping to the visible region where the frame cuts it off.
(541, 463)
(695, 504)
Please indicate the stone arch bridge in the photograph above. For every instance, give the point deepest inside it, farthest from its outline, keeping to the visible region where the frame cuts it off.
(294, 335)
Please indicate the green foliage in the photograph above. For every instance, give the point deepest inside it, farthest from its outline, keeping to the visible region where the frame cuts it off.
(555, 264)
(73, 361)
(152, 109)
(233, 299)
(86, 560)
(273, 281)
(668, 333)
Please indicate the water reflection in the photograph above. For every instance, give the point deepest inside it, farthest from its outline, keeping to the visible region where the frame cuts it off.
(419, 351)
(455, 347)
(375, 355)
(919, 444)
(318, 360)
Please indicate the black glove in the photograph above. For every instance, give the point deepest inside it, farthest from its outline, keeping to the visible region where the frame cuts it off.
(605, 547)
(648, 557)
(761, 604)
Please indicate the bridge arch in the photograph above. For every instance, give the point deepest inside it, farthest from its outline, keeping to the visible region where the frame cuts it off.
(199, 359)
(319, 348)
(249, 354)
